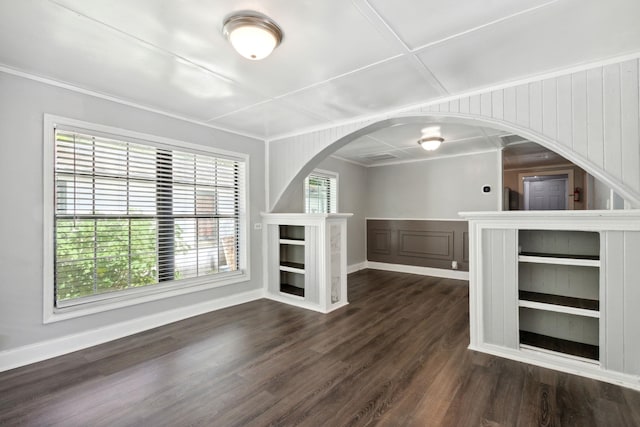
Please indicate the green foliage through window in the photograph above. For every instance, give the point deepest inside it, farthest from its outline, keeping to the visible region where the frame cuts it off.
(129, 215)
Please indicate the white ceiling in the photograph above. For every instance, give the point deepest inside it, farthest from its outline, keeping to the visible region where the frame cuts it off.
(527, 154)
(399, 144)
(339, 59)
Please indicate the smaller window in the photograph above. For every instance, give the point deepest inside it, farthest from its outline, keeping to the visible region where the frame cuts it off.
(321, 192)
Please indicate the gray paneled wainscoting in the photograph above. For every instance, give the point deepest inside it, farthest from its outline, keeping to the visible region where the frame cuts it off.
(423, 243)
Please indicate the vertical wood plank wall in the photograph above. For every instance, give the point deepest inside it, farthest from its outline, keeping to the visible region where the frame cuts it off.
(499, 281)
(590, 117)
(311, 280)
(273, 258)
(622, 276)
(631, 278)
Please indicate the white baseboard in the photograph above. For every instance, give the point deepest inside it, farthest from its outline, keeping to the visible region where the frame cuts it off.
(425, 271)
(32, 353)
(561, 364)
(356, 267)
(25, 355)
(296, 302)
(299, 302)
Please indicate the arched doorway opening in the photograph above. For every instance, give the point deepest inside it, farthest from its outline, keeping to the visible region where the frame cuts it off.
(339, 139)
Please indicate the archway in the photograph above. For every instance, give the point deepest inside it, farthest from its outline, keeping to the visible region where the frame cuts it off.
(565, 151)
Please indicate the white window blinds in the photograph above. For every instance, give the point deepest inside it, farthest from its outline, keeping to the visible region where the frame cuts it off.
(320, 193)
(129, 215)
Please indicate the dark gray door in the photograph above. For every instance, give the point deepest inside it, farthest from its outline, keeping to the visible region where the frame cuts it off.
(546, 193)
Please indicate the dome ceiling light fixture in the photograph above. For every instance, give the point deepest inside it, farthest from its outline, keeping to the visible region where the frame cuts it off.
(252, 34)
(431, 143)
(431, 138)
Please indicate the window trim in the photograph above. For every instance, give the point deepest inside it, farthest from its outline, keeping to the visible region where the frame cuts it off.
(325, 174)
(120, 299)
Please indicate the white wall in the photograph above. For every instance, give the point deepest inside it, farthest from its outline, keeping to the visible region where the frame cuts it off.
(601, 195)
(436, 189)
(22, 105)
(352, 187)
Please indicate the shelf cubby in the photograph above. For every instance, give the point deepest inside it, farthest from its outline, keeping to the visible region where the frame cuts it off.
(560, 332)
(292, 283)
(559, 292)
(563, 244)
(558, 345)
(292, 232)
(560, 300)
(285, 288)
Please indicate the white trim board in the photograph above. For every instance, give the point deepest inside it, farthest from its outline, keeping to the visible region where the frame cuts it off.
(301, 303)
(414, 219)
(424, 271)
(32, 353)
(68, 86)
(356, 267)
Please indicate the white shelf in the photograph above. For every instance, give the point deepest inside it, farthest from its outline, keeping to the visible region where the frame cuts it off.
(288, 295)
(292, 242)
(539, 350)
(559, 308)
(559, 260)
(292, 269)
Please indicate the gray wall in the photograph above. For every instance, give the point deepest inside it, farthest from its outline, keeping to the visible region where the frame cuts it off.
(352, 188)
(352, 185)
(434, 189)
(22, 105)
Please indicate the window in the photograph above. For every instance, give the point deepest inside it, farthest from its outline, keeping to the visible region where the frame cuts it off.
(133, 216)
(321, 192)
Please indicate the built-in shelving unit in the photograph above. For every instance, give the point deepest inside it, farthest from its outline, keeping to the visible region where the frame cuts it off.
(558, 291)
(306, 259)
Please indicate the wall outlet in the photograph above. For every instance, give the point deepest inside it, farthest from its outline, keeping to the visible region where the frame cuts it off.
(257, 226)
(454, 265)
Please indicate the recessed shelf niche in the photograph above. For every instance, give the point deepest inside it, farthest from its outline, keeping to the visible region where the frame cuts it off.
(559, 292)
(292, 258)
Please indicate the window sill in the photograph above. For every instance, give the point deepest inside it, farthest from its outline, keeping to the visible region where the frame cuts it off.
(143, 295)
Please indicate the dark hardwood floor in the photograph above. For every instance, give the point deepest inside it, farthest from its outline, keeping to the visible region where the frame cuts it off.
(395, 356)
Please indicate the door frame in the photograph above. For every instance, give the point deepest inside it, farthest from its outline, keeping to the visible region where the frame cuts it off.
(570, 183)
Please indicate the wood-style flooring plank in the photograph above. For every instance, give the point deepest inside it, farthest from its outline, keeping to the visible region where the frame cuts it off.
(395, 356)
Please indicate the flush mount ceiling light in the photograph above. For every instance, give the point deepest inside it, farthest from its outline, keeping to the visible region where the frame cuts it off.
(430, 143)
(252, 34)
(431, 138)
